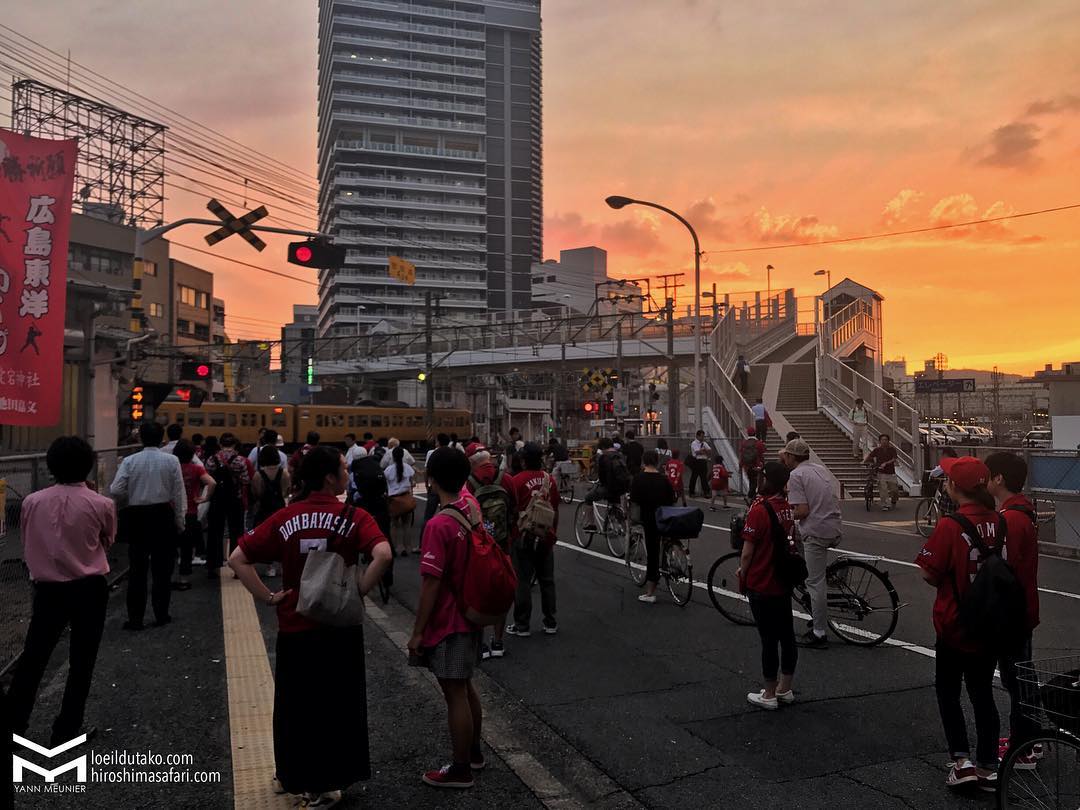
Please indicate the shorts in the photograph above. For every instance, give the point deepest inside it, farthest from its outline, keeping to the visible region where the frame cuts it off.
(718, 486)
(455, 657)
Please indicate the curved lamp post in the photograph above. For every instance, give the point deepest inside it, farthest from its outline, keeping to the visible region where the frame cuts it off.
(617, 202)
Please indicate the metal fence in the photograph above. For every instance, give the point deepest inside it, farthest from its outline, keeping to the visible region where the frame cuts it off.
(24, 474)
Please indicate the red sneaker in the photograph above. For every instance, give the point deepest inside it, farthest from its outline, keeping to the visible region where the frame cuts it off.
(962, 773)
(449, 777)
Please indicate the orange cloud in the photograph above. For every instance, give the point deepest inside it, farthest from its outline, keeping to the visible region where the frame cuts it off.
(898, 210)
(634, 236)
(765, 227)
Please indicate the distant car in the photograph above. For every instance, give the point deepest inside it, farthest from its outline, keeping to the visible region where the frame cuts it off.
(928, 437)
(1038, 438)
(954, 434)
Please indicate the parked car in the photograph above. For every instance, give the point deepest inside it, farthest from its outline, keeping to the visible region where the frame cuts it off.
(1041, 438)
(930, 437)
(980, 434)
(954, 434)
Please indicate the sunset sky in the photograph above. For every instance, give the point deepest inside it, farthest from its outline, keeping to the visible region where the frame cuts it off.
(765, 123)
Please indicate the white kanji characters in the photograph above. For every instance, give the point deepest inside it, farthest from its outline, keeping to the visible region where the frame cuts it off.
(31, 407)
(3, 342)
(34, 303)
(5, 280)
(37, 273)
(38, 242)
(39, 212)
(33, 379)
(20, 379)
(9, 377)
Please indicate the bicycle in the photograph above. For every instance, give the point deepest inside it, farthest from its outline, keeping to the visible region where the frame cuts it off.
(858, 593)
(868, 489)
(676, 564)
(930, 510)
(565, 473)
(1043, 771)
(601, 517)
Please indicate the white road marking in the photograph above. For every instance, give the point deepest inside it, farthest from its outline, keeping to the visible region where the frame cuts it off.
(840, 551)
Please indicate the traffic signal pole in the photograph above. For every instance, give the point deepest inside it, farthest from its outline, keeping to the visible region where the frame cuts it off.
(429, 381)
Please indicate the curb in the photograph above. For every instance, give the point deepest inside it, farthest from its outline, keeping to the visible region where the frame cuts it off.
(1058, 550)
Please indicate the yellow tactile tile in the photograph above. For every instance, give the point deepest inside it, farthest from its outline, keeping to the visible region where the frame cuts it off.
(251, 702)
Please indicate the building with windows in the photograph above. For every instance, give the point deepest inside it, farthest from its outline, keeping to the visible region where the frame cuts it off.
(578, 282)
(429, 149)
(192, 293)
(298, 343)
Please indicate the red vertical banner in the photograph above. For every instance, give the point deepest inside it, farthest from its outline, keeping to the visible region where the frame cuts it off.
(36, 178)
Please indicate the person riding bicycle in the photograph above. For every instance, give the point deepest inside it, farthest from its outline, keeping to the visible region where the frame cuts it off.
(556, 452)
(649, 491)
(613, 474)
(937, 478)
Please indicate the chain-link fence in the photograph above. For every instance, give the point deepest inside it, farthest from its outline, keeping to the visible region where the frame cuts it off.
(22, 475)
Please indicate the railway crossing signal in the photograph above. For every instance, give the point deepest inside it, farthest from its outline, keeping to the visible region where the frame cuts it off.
(241, 225)
(316, 253)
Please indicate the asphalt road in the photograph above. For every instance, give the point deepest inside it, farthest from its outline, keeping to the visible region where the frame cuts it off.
(654, 696)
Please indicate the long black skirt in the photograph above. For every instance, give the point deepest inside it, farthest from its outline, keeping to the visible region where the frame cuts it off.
(320, 710)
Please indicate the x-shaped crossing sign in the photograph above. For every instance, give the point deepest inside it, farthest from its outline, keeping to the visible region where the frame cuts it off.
(240, 225)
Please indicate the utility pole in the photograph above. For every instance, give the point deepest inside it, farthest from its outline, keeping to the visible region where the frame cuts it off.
(429, 378)
(996, 378)
(673, 370)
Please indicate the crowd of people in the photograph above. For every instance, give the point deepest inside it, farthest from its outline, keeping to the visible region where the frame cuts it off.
(188, 501)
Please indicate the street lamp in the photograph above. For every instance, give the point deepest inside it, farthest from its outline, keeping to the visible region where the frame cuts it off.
(828, 277)
(618, 202)
(768, 289)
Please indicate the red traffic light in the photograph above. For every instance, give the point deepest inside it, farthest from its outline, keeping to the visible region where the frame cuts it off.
(589, 406)
(316, 253)
(202, 370)
(303, 253)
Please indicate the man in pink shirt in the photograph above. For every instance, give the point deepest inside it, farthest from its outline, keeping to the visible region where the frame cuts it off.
(66, 530)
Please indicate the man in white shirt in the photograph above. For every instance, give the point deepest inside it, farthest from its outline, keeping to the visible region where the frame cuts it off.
(761, 420)
(267, 437)
(151, 484)
(812, 493)
(859, 418)
(173, 433)
(700, 453)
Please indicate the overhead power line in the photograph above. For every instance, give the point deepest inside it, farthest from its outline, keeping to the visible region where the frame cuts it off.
(245, 264)
(889, 234)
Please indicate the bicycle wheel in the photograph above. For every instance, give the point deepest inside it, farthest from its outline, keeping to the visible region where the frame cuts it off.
(615, 532)
(863, 604)
(724, 590)
(679, 572)
(926, 516)
(566, 489)
(584, 524)
(1053, 782)
(637, 556)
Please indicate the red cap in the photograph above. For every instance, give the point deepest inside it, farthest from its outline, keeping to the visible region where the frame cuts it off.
(751, 431)
(473, 449)
(966, 472)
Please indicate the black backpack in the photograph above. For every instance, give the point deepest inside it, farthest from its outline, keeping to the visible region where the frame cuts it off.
(369, 481)
(560, 453)
(993, 610)
(271, 498)
(788, 563)
(619, 477)
(225, 488)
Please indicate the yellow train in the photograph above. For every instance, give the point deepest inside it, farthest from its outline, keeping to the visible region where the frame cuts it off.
(292, 422)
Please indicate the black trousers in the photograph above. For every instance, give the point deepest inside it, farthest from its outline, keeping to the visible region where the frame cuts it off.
(79, 604)
(190, 542)
(152, 544)
(1021, 727)
(223, 515)
(699, 471)
(761, 430)
(538, 560)
(751, 482)
(776, 626)
(976, 671)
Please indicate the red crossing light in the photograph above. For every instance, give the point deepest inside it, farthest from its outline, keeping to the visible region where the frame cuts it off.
(202, 370)
(303, 253)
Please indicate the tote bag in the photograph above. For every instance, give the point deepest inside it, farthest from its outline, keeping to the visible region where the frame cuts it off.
(329, 593)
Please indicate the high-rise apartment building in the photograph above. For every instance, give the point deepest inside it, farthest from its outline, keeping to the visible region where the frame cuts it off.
(429, 149)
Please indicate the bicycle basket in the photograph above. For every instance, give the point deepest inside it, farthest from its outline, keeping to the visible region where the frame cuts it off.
(1050, 692)
(680, 522)
(567, 468)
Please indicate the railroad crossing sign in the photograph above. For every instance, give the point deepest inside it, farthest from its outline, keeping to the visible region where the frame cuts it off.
(402, 270)
(596, 379)
(241, 225)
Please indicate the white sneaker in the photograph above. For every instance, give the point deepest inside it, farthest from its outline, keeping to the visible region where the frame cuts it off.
(647, 598)
(786, 697)
(758, 699)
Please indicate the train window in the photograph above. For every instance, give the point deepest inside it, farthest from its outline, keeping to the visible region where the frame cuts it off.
(320, 420)
(232, 420)
(179, 417)
(278, 419)
(248, 419)
(336, 420)
(262, 420)
(217, 420)
(376, 420)
(397, 421)
(195, 419)
(161, 417)
(461, 421)
(414, 421)
(351, 421)
(362, 421)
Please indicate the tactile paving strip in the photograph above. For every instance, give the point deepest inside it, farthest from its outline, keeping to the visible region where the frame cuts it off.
(251, 702)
